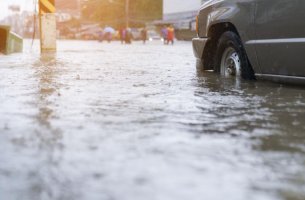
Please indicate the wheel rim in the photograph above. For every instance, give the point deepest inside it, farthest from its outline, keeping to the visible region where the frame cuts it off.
(230, 63)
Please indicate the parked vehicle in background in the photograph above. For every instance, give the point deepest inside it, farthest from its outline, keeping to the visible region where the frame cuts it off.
(89, 32)
(153, 35)
(249, 39)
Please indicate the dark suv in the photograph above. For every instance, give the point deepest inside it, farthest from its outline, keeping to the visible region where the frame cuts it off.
(253, 38)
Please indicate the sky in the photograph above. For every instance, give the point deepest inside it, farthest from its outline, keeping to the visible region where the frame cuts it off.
(24, 4)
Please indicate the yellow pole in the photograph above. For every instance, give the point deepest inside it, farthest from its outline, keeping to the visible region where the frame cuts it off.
(47, 21)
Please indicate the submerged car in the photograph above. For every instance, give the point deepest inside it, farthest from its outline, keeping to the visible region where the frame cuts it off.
(252, 39)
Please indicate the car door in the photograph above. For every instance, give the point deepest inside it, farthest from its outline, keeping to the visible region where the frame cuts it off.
(280, 33)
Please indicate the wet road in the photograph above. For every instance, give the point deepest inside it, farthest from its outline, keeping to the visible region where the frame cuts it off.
(112, 122)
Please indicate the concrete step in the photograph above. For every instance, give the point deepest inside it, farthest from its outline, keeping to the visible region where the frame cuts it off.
(9, 42)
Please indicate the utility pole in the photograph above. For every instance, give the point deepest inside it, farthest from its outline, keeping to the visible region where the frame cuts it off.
(127, 13)
(47, 21)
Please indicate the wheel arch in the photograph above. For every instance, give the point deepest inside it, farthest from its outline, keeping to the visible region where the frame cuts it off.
(219, 16)
(214, 33)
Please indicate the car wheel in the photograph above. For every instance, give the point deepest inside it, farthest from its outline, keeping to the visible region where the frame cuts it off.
(231, 57)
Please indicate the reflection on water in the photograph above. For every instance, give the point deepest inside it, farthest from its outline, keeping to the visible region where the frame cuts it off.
(46, 72)
(273, 118)
(46, 179)
(276, 109)
(143, 123)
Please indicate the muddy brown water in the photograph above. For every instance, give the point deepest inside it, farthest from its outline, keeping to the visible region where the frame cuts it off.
(114, 122)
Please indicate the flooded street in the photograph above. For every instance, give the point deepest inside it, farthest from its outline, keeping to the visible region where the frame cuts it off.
(104, 121)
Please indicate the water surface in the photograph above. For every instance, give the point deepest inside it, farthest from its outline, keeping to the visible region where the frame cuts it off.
(114, 122)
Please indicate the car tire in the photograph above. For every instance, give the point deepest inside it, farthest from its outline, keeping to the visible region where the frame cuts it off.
(231, 58)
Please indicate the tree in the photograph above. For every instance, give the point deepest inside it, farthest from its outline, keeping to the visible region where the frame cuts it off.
(112, 12)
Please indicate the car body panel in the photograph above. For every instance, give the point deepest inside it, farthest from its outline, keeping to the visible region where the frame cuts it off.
(198, 46)
(280, 32)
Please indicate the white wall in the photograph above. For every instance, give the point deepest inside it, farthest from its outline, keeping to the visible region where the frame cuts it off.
(174, 6)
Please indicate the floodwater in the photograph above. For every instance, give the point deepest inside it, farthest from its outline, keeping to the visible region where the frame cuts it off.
(115, 122)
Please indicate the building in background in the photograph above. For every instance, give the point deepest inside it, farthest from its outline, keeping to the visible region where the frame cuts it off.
(24, 22)
(18, 20)
(68, 14)
(172, 7)
(68, 9)
(77, 16)
(182, 14)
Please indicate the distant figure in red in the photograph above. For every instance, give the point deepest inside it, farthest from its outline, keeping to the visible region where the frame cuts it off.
(128, 36)
(170, 35)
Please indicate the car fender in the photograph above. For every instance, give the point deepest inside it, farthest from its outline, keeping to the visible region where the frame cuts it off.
(239, 13)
